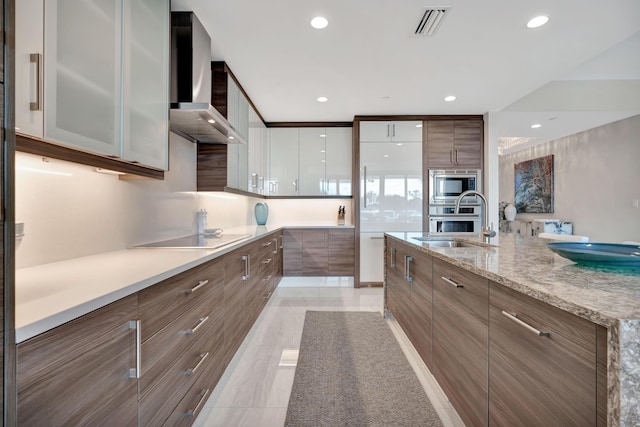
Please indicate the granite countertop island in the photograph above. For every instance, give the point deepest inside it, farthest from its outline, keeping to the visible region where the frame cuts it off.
(607, 297)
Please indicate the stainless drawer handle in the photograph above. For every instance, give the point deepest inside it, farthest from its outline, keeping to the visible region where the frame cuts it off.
(192, 412)
(393, 257)
(193, 370)
(200, 323)
(268, 295)
(514, 317)
(247, 266)
(267, 261)
(451, 282)
(36, 58)
(135, 372)
(275, 239)
(407, 268)
(266, 244)
(266, 279)
(200, 284)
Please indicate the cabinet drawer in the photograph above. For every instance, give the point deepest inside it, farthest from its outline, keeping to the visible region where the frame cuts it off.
(537, 379)
(461, 339)
(183, 370)
(161, 351)
(164, 302)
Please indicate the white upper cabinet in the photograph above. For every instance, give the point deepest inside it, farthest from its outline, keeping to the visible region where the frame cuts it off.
(283, 162)
(82, 79)
(237, 108)
(310, 161)
(105, 76)
(146, 71)
(313, 160)
(339, 163)
(397, 131)
(258, 154)
(29, 67)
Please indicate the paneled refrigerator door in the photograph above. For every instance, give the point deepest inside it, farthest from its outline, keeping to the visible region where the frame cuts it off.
(390, 199)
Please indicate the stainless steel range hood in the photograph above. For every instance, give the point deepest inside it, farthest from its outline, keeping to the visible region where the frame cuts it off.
(192, 116)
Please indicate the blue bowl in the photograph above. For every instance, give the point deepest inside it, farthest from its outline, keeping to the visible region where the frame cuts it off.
(599, 254)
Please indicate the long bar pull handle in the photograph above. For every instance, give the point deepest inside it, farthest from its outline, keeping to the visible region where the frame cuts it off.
(452, 282)
(456, 157)
(514, 317)
(247, 266)
(268, 295)
(36, 58)
(282, 241)
(192, 412)
(193, 370)
(451, 156)
(393, 133)
(364, 185)
(407, 268)
(200, 323)
(200, 284)
(393, 257)
(135, 372)
(275, 240)
(388, 131)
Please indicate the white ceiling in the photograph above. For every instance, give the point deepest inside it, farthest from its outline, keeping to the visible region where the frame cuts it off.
(483, 53)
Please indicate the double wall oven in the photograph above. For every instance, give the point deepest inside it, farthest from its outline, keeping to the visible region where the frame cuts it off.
(444, 188)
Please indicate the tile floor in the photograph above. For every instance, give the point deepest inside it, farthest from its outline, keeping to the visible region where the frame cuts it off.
(254, 390)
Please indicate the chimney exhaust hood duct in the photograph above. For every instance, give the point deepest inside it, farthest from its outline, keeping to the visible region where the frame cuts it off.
(192, 116)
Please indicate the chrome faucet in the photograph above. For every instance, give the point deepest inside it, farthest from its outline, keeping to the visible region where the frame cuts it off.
(487, 232)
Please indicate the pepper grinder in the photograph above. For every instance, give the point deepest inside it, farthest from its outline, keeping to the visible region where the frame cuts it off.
(341, 212)
(202, 220)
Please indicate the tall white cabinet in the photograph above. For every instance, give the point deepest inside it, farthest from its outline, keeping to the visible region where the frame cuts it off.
(100, 73)
(391, 196)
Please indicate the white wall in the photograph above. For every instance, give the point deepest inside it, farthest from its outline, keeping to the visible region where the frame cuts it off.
(596, 180)
(72, 211)
(85, 212)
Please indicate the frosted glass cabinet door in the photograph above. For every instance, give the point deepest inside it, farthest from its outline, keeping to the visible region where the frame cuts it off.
(339, 164)
(29, 41)
(312, 161)
(145, 134)
(283, 174)
(83, 74)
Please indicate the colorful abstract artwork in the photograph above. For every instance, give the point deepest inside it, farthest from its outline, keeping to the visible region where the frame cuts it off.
(534, 185)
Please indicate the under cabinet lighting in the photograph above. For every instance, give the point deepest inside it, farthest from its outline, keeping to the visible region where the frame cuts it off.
(211, 121)
(109, 171)
(538, 21)
(322, 99)
(43, 171)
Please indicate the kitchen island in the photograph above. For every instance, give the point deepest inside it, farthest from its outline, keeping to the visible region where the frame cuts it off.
(610, 298)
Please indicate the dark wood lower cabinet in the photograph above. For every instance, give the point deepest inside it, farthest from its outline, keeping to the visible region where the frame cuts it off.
(460, 339)
(319, 251)
(78, 373)
(540, 380)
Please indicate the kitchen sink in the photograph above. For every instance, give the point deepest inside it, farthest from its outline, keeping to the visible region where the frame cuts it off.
(445, 243)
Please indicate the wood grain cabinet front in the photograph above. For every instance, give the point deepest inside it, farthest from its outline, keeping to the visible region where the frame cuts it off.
(319, 252)
(454, 143)
(460, 339)
(79, 373)
(409, 293)
(542, 364)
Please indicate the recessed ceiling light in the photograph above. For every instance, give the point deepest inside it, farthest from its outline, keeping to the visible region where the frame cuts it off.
(399, 144)
(386, 155)
(450, 98)
(538, 21)
(319, 22)
(323, 135)
(322, 99)
(211, 121)
(536, 126)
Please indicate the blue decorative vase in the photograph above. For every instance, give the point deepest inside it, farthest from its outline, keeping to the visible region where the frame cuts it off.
(262, 212)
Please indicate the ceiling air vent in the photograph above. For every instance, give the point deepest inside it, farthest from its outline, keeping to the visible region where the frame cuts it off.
(431, 20)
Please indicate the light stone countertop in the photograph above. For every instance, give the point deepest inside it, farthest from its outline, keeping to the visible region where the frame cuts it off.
(608, 297)
(51, 294)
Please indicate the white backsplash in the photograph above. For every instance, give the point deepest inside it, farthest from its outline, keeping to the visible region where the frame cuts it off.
(70, 210)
